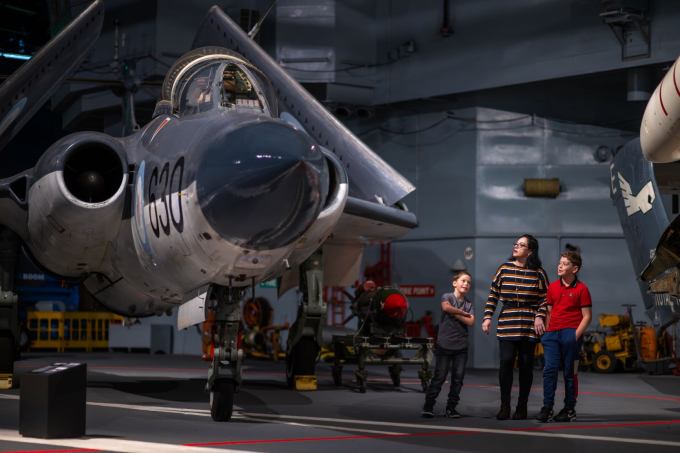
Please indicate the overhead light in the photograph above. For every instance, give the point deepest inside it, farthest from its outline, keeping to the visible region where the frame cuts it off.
(15, 56)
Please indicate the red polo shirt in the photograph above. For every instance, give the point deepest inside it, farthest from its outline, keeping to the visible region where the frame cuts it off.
(567, 302)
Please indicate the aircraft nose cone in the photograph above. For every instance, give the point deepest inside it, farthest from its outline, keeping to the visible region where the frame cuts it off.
(262, 185)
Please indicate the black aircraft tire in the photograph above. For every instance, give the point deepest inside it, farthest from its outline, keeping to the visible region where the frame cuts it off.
(290, 373)
(222, 400)
(396, 377)
(337, 379)
(362, 385)
(302, 360)
(305, 357)
(604, 362)
(6, 354)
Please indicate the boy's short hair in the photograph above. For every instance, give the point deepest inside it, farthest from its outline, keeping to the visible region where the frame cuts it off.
(574, 258)
(460, 274)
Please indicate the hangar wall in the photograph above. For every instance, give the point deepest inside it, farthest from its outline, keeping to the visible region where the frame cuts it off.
(469, 175)
(497, 43)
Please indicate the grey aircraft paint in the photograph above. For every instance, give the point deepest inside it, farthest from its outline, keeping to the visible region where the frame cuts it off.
(215, 190)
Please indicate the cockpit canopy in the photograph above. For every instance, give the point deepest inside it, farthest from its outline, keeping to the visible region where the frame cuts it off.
(227, 84)
(212, 78)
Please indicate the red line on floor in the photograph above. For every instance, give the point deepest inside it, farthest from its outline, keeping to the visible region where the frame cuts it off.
(47, 451)
(614, 425)
(442, 433)
(123, 368)
(311, 439)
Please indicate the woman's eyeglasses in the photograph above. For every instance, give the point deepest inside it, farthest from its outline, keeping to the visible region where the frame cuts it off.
(520, 246)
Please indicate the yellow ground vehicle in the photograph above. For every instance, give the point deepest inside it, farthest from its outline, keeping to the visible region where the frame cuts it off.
(614, 345)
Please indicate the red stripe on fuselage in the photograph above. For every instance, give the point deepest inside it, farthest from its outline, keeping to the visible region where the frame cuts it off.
(661, 99)
(165, 121)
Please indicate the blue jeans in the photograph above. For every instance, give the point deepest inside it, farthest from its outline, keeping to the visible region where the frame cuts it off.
(561, 347)
(445, 357)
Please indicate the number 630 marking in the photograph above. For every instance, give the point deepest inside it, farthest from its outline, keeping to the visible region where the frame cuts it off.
(170, 183)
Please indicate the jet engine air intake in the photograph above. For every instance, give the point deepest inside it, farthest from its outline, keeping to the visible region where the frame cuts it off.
(336, 176)
(93, 172)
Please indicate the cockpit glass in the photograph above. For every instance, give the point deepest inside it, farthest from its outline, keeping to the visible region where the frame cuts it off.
(237, 89)
(197, 93)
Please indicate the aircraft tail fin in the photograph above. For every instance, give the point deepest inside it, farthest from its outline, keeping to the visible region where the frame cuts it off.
(636, 195)
(35, 81)
(645, 224)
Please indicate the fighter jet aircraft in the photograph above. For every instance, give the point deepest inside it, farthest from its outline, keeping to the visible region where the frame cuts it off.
(241, 177)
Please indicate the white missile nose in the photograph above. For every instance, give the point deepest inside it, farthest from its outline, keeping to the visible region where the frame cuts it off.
(660, 128)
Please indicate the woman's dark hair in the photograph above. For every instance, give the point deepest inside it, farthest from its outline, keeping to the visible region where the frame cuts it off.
(533, 261)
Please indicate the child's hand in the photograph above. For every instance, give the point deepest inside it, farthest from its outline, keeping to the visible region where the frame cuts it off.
(539, 326)
(486, 326)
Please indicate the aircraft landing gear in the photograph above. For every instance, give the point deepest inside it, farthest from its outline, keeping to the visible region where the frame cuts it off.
(222, 400)
(304, 337)
(225, 373)
(10, 330)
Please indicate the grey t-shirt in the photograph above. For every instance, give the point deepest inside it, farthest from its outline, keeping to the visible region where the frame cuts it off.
(453, 334)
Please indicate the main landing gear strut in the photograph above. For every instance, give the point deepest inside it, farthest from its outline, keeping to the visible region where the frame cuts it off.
(225, 373)
(304, 337)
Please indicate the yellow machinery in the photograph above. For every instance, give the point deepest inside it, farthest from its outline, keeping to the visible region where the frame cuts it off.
(614, 345)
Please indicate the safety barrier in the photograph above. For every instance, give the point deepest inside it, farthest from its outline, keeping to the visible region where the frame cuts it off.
(77, 331)
(47, 330)
(99, 328)
(70, 330)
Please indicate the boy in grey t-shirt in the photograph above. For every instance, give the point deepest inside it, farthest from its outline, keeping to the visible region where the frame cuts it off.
(458, 314)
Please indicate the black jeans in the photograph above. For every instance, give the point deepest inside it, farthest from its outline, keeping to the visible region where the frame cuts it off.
(458, 359)
(509, 350)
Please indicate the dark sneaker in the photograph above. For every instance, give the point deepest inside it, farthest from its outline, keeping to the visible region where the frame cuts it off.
(427, 412)
(451, 412)
(566, 415)
(546, 415)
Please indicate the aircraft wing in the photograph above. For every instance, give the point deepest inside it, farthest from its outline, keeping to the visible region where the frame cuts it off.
(370, 176)
(364, 224)
(36, 80)
(361, 225)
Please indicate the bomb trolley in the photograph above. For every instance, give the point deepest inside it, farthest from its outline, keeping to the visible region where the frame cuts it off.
(381, 314)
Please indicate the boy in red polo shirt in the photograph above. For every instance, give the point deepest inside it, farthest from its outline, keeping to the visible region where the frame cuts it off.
(569, 314)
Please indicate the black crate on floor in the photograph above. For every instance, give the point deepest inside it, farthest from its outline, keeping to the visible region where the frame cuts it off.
(52, 401)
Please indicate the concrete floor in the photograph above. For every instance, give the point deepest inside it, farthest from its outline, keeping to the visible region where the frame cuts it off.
(156, 403)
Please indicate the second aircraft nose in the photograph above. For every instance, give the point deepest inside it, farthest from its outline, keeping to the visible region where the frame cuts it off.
(262, 185)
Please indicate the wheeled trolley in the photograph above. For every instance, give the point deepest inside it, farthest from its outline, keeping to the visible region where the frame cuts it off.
(382, 351)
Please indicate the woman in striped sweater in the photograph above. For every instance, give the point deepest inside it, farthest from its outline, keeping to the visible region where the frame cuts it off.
(520, 285)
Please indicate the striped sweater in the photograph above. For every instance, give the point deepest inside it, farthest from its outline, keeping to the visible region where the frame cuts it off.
(522, 292)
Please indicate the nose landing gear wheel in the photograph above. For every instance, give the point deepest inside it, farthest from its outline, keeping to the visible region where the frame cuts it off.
(222, 400)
